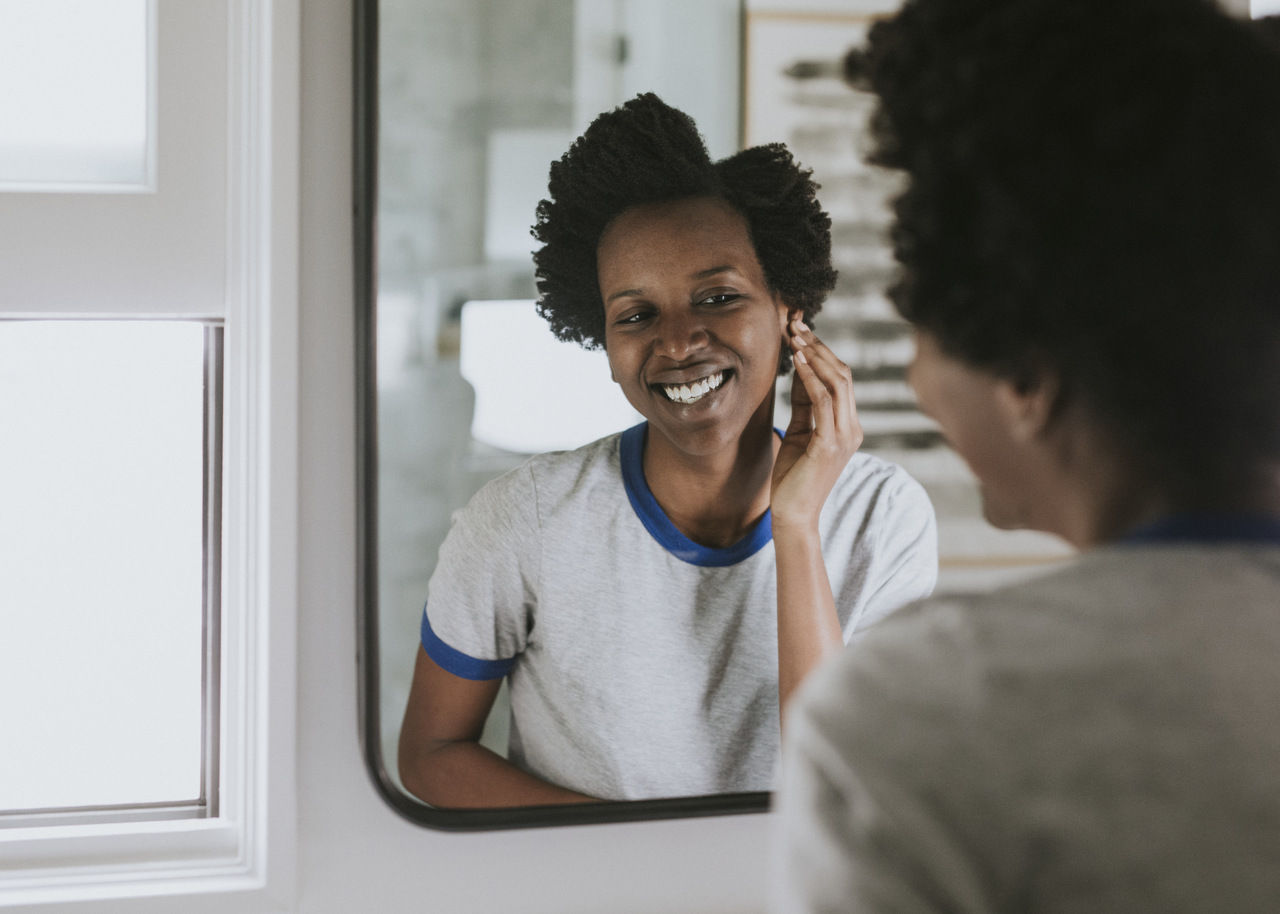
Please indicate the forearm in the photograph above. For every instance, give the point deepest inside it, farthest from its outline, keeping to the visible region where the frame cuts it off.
(466, 775)
(808, 627)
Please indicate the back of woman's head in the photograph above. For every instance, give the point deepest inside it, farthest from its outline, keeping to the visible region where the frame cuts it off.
(1095, 185)
(645, 152)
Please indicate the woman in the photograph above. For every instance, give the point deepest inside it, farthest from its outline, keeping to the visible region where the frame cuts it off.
(631, 589)
(1090, 252)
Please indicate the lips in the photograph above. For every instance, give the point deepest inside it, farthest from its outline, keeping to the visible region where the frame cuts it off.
(694, 390)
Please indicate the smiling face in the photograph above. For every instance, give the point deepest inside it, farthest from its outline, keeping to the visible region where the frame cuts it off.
(692, 332)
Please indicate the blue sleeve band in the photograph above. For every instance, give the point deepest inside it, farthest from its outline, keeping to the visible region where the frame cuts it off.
(454, 661)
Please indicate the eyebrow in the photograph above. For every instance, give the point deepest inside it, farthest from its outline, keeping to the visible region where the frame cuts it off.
(701, 274)
(704, 274)
(623, 294)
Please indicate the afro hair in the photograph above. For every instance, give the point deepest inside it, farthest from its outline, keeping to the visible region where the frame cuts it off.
(1095, 186)
(647, 152)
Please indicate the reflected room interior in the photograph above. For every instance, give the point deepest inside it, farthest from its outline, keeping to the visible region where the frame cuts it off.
(475, 100)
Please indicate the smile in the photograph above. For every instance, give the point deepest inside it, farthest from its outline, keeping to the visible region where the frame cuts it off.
(695, 391)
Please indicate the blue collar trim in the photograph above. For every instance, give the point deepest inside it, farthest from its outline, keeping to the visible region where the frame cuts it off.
(1208, 528)
(659, 525)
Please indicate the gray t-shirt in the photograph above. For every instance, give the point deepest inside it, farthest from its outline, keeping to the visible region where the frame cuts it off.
(642, 664)
(1103, 740)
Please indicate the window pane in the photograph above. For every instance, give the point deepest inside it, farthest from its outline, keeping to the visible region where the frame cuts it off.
(73, 93)
(101, 562)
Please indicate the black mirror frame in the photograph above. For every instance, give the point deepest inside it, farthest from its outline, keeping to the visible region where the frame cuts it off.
(365, 186)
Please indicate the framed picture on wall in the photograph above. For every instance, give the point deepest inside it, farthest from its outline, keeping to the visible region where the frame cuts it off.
(792, 65)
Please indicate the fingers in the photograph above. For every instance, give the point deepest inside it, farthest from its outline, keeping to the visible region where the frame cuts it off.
(801, 404)
(821, 412)
(828, 385)
(801, 407)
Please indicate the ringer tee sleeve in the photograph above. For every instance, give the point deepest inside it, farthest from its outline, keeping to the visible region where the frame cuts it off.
(483, 594)
(904, 565)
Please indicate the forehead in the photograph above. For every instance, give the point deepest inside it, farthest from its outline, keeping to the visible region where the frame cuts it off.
(685, 235)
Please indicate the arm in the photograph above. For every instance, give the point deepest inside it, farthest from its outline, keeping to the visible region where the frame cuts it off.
(441, 759)
(823, 434)
(479, 594)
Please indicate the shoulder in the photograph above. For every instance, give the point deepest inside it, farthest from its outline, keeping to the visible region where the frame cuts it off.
(557, 472)
(872, 485)
(506, 522)
(923, 654)
(907, 708)
(872, 477)
(935, 661)
(875, 500)
(545, 480)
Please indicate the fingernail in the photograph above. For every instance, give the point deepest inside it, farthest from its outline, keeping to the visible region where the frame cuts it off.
(801, 359)
(799, 341)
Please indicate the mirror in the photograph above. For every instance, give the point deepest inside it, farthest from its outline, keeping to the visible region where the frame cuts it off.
(461, 106)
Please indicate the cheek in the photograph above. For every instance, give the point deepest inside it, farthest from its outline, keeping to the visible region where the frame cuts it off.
(615, 369)
(965, 422)
(764, 339)
(615, 352)
(991, 455)
(626, 362)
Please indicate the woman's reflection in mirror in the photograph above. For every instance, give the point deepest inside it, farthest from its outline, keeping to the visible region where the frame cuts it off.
(1090, 247)
(652, 595)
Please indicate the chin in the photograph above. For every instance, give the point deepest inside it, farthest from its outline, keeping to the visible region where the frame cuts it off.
(698, 441)
(999, 515)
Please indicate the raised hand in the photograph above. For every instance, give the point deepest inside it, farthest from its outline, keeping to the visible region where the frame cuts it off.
(824, 431)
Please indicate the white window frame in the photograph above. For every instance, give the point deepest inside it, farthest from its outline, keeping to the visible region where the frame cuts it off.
(242, 859)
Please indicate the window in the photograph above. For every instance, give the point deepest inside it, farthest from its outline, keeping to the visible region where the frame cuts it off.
(181, 298)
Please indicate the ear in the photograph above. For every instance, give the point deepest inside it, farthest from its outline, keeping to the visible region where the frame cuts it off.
(1029, 403)
(786, 313)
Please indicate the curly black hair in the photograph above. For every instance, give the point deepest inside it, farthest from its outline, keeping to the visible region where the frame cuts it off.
(647, 152)
(1095, 185)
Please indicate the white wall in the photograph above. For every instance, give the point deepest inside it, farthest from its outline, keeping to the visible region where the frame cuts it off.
(355, 853)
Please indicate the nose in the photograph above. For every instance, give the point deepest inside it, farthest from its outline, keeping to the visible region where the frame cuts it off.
(681, 334)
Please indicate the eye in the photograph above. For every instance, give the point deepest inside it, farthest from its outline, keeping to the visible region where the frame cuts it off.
(720, 298)
(635, 317)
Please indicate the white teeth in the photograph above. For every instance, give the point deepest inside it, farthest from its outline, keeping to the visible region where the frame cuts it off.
(691, 393)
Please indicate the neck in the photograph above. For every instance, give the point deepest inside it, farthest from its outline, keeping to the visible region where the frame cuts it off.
(714, 499)
(1092, 493)
(1247, 497)
(1101, 493)
(1104, 514)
